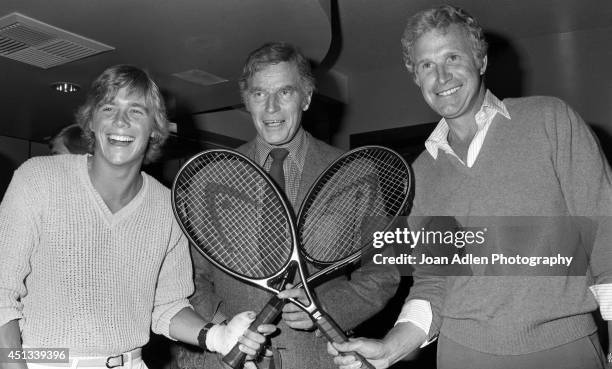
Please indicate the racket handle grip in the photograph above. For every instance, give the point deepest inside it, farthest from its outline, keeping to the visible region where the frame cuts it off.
(332, 331)
(267, 315)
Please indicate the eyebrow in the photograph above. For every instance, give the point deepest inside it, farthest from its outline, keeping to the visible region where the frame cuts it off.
(290, 87)
(139, 105)
(131, 105)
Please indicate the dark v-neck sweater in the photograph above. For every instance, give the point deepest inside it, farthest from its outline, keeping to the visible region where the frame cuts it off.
(543, 162)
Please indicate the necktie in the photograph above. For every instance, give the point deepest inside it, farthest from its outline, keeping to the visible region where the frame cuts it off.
(273, 228)
(276, 169)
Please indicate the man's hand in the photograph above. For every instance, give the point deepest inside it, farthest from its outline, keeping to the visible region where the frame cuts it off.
(372, 350)
(186, 327)
(293, 316)
(222, 338)
(402, 340)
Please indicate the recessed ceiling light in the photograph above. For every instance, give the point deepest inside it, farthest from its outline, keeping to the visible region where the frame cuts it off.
(66, 87)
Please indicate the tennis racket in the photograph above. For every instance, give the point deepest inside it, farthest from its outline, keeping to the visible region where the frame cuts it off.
(233, 213)
(361, 192)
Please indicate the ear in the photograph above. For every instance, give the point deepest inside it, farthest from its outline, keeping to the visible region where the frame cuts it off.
(413, 73)
(483, 67)
(306, 101)
(415, 79)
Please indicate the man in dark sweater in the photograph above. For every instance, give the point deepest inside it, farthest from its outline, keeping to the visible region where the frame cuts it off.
(527, 158)
(276, 87)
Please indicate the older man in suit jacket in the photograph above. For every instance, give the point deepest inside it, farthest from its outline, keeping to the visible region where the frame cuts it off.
(277, 87)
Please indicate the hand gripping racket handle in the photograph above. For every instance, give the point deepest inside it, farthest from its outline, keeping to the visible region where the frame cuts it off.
(268, 314)
(334, 333)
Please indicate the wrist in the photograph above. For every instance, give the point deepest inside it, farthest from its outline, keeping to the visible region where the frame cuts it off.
(203, 336)
(214, 338)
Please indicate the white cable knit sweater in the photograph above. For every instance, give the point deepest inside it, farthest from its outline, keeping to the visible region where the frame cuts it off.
(78, 276)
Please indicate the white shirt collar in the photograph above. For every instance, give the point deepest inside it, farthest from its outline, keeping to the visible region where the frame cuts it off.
(438, 139)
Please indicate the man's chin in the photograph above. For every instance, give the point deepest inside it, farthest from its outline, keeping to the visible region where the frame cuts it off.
(448, 112)
(275, 140)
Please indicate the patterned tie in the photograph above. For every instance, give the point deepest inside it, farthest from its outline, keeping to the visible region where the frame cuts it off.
(276, 169)
(274, 228)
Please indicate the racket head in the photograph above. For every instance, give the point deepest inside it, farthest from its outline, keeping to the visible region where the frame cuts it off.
(234, 215)
(362, 191)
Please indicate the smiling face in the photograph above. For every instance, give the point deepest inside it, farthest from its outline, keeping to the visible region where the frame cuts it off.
(276, 100)
(122, 128)
(448, 73)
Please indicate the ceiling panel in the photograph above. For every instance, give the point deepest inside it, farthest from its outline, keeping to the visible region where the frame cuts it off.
(172, 36)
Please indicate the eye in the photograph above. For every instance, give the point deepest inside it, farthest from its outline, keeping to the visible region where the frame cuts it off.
(257, 94)
(106, 108)
(286, 93)
(454, 58)
(137, 111)
(426, 65)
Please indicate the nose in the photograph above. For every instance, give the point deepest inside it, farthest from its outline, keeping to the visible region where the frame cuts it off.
(272, 103)
(121, 118)
(444, 75)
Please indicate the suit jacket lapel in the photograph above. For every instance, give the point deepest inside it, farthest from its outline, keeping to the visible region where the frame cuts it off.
(248, 149)
(313, 166)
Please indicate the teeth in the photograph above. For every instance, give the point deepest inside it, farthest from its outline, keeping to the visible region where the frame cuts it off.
(449, 92)
(273, 121)
(121, 138)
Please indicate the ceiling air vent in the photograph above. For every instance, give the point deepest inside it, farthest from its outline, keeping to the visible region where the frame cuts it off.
(36, 43)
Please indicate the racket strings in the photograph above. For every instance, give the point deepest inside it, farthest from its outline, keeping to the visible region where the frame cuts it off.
(355, 198)
(233, 214)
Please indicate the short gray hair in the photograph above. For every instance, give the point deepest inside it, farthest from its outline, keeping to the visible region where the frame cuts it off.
(274, 53)
(441, 18)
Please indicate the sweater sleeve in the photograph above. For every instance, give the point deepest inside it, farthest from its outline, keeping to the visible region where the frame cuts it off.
(429, 288)
(174, 283)
(19, 234)
(586, 181)
(429, 284)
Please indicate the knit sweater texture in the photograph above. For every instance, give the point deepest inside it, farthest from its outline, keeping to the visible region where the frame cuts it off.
(76, 275)
(543, 162)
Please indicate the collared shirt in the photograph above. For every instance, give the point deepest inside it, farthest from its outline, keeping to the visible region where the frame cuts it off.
(418, 312)
(293, 165)
(438, 140)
